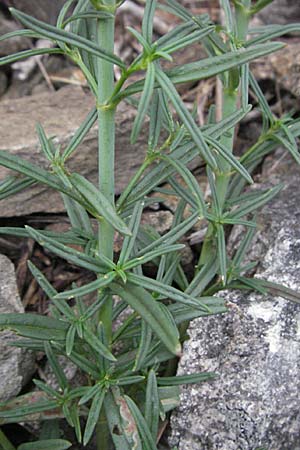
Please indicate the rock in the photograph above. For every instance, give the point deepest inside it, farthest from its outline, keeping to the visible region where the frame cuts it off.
(61, 114)
(16, 365)
(255, 349)
(11, 45)
(46, 10)
(281, 12)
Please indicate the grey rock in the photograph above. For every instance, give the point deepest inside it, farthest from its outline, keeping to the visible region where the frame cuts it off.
(46, 10)
(16, 365)
(11, 45)
(255, 349)
(281, 12)
(61, 114)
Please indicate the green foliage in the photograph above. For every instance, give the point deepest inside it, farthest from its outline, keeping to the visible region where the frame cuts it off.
(127, 390)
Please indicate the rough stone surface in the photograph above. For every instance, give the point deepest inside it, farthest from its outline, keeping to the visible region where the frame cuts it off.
(255, 349)
(281, 12)
(41, 9)
(61, 114)
(16, 365)
(12, 45)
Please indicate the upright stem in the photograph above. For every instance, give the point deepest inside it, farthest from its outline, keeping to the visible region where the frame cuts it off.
(230, 98)
(229, 105)
(106, 165)
(106, 148)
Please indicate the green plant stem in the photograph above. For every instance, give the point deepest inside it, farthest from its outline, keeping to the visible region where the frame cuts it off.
(229, 104)
(106, 164)
(106, 151)
(230, 98)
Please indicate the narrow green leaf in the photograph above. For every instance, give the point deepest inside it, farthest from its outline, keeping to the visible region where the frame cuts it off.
(183, 193)
(70, 339)
(225, 5)
(245, 85)
(124, 381)
(140, 38)
(93, 416)
(169, 397)
(13, 185)
(270, 32)
(63, 13)
(225, 153)
(22, 411)
(179, 10)
(280, 290)
(81, 361)
(103, 15)
(147, 24)
(155, 120)
(195, 36)
(144, 102)
(215, 197)
(144, 431)
(261, 98)
(259, 5)
(162, 250)
(49, 290)
(18, 33)
(183, 313)
(144, 345)
(134, 225)
(142, 302)
(191, 182)
(186, 117)
(35, 326)
(167, 291)
(78, 216)
(186, 379)
(90, 393)
(36, 173)
(97, 345)
(44, 142)
(185, 153)
(216, 130)
(165, 109)
(80, 133)
(222, 252)
(229, 221)
(69, 38)
(68, 253)
(209, 67)
(256, 203)
(46, 388)
(203, 277)
(152, 404)
(243, 247)
(292, 148)
(27, 54)
(69, 237)
(178, 32)
(91, 310)
(99, 202)
(173, 235)
(87, 288)
(5, 444)
(55, 366)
